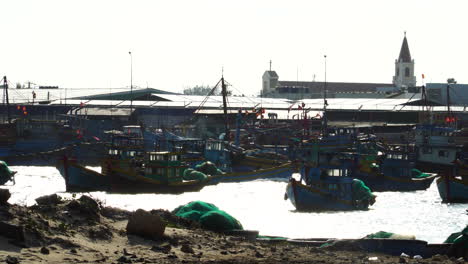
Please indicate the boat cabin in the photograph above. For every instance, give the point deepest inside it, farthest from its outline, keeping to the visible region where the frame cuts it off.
(216, 152)
(331, 180)
(397, 164)
(124, 147)
(133, 131)
(164, 166)
(435, 136)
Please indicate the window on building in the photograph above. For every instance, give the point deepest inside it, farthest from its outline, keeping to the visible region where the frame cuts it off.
(427, 150)
(407, 72)
(443, 153)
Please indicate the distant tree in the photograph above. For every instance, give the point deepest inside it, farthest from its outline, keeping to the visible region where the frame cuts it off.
(197, 90)
(18, 85)
(203, 90)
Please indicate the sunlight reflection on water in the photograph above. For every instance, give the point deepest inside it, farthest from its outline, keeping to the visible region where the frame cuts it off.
(260, 205)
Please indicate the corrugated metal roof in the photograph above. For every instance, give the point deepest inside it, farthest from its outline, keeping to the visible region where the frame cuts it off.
(356, 103)
(101, 112)
(281, 114)
(57, 97)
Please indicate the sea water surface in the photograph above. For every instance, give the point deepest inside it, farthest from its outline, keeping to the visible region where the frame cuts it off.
(260, 205)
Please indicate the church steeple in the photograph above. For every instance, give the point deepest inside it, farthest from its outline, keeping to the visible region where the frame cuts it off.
(404, 67)
(405, 55)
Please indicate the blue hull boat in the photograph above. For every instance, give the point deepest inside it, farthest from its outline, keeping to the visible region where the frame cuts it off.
(452, 189)
(384, 183)
(328, 188)
(394, 171)
(310, 197)
(81, 179)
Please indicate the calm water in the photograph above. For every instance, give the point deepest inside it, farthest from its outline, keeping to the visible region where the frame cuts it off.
(259, 205)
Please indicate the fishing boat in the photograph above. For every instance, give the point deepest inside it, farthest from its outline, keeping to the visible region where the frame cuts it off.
(215, 153)
(453, 189)
(453, 185)
(325, 182)
(436, 146)
(160, 176)
(436, 143)
(78, 178)
(391, 171)
(328, 187)
(128, 167)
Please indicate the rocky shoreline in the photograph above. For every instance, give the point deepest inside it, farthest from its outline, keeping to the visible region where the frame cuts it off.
(83, 231)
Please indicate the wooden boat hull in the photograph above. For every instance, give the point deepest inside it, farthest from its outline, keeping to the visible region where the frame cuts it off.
(452, 189)
(131, 182)
(80, 179)
(307, 198)
(282, 172)
(384, 183)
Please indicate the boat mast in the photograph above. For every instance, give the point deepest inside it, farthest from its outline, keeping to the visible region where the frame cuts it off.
(449, 112)
(131, 83)
(5, 94)
(325, 103)
(224, 93)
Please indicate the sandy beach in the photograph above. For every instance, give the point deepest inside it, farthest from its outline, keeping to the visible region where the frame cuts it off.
(81, 231)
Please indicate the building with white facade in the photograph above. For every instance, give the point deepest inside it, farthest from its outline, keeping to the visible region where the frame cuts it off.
(404, 82)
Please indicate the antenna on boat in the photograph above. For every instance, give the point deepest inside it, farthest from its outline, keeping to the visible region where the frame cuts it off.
(5, 97)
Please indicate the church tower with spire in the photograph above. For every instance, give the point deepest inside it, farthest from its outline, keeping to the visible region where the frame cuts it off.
(404, 67)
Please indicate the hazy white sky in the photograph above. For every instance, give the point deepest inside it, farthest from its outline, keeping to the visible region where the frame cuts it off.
(178, 44)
